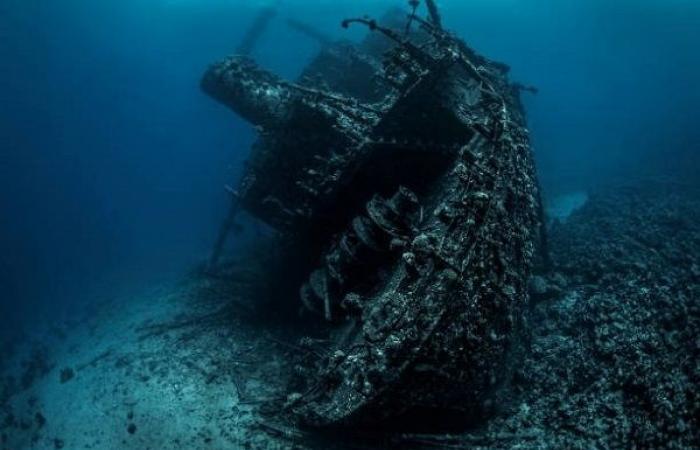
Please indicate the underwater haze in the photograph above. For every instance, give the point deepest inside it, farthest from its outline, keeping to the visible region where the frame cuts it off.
(114, 163)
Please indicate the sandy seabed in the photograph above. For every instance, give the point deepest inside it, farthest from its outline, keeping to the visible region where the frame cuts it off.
(167, 369)
(611, 358)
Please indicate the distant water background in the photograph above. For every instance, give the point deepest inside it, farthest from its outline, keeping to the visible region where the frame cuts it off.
(112, 162)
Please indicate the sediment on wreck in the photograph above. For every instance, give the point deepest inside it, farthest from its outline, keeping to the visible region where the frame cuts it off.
(419, 213)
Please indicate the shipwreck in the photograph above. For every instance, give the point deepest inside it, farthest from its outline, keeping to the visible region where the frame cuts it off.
(399, 174)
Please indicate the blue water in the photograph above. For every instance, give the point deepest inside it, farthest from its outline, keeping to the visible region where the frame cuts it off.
(112, 162)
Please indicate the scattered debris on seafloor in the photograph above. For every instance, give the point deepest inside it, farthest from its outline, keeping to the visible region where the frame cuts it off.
(392, 234)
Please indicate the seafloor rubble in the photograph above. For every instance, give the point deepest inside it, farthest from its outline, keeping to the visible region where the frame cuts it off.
(613, 355)
(611, 359)
(614, 360)
(406, 214)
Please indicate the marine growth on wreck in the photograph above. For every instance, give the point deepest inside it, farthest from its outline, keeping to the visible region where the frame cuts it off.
(390, 269)
(398, 175)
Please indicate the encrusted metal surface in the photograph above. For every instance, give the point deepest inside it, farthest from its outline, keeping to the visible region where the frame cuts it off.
(420, 204)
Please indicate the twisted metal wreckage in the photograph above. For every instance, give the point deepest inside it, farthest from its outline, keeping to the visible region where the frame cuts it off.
(401, 168)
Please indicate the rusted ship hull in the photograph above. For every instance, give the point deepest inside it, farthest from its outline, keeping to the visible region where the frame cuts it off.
(422, 210)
